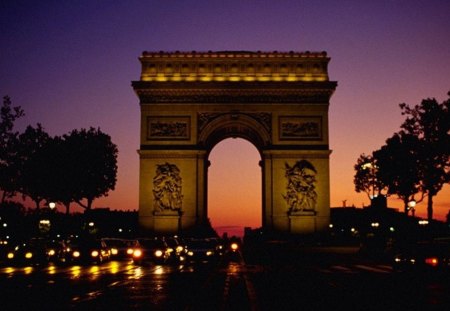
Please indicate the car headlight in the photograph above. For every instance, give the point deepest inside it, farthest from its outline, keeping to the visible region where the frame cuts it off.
(179, 249)
(209, 253)
(114, 251)
(130, 251)
(137, 253)
(28, 255)
(158, 253)
(76, 254)
(190, 253)
(94, 253)
(10, 255)
(51, 252)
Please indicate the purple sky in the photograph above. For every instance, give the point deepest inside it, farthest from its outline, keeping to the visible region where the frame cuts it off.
(70, 64)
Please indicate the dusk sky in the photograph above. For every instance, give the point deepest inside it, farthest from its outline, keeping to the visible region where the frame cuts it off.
(69, 65)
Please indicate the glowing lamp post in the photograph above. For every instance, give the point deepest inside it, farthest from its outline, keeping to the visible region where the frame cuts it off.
(411, 207)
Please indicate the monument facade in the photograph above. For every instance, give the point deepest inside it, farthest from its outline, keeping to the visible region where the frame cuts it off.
(190, 101)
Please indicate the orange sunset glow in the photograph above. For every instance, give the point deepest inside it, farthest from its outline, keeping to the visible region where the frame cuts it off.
(70, 66)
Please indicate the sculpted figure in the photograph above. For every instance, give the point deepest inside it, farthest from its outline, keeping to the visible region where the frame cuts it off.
(167, 188)
(301, 189)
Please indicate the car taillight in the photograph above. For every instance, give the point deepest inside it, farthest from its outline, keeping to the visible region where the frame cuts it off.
(432, 261)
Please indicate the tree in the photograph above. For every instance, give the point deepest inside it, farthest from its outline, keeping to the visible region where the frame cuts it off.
(367, 178)
(430, 123)
(93, 158)
(8, 141)
(35, 163)
(398, 167)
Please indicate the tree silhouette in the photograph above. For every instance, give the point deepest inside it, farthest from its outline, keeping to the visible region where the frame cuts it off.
(93, 158)
(8, 143)
(366, 178)
(34, 163)
(430, 123)
(398, 167)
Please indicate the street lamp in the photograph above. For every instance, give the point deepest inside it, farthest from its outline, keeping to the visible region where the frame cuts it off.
(411, 207)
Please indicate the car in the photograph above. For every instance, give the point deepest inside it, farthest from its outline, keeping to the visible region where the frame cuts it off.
(120, 248)
(86, 251)
(423, 256)
(151, 250)
(35, 251)
(201, 250)
(176, 248)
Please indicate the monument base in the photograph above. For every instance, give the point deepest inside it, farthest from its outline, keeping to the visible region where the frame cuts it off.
(166, 222)
(302, 222)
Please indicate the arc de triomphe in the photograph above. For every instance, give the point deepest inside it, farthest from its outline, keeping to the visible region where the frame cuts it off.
(190, 101)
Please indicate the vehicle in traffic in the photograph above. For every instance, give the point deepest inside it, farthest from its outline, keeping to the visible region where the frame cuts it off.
(35, 251)
(86, 251)
(423, 256)
(176, 249)
(201, 250)
(120, 248)
(151, 250)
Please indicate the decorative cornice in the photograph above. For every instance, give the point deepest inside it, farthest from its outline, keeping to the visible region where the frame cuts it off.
(234, 66)
(299, 93)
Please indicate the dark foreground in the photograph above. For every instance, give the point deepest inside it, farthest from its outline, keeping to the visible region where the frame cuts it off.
(276, 276)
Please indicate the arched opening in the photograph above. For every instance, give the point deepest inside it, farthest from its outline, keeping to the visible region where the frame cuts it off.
(234, 187)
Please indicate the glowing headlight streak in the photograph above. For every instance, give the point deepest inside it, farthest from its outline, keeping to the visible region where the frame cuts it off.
(28, 270)
(75, 271)
(114, 267)
(51, 270)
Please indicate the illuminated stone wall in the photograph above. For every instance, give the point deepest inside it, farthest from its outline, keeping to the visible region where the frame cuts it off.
(192, 101)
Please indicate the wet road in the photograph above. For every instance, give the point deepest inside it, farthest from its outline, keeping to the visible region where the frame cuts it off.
(270, 280)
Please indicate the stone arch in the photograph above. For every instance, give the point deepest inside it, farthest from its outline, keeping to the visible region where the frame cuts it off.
(190, 101)
(232, 125)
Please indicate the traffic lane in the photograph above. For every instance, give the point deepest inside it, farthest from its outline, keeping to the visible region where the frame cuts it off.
(116, 284)
(316, 281)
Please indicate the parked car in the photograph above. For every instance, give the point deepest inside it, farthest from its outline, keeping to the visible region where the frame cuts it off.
(120, 248)
(423, 256)
(151, 250)
(35, 251)
(85, 251)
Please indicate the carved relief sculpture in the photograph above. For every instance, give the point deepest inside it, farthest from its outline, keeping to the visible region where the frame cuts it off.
(167, 188)
(303, 128)
(301, 192)
(168, 128)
